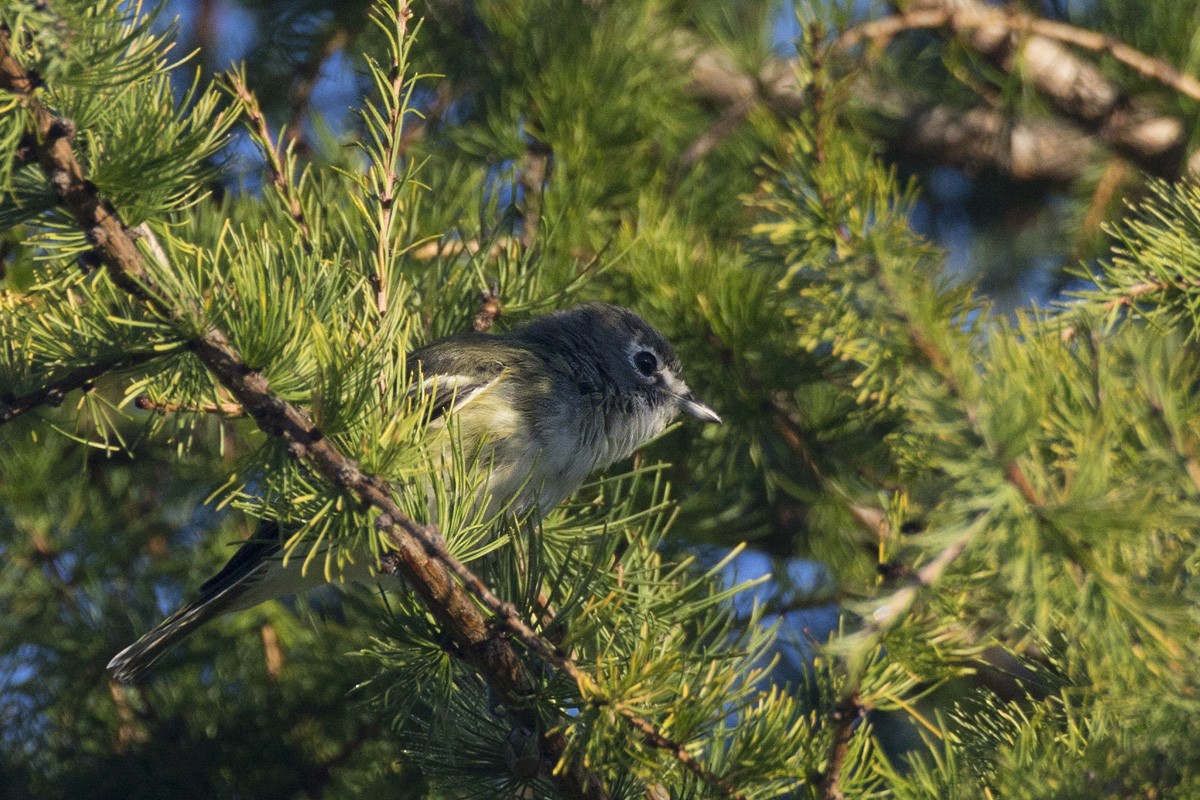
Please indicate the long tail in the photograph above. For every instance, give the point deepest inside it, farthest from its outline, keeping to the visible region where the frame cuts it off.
(228, 590)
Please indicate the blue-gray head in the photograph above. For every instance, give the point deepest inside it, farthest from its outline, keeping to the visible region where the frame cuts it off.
(612, 352)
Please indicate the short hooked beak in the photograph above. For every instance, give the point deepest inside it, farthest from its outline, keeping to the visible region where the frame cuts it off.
(691, 405)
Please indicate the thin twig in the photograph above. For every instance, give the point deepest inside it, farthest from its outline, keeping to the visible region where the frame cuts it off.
(1132, 296)
(281, 177)
(851, 707)
(389, 177)
(440, 248)
(1135, 293)
(53, 392)
(146, 403)
(1011, 469)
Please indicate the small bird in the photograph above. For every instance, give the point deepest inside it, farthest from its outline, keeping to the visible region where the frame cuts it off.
(543, 406)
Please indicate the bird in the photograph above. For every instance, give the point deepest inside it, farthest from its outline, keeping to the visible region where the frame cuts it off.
(541, 407)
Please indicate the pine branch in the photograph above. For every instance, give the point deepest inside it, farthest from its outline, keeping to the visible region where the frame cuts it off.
(1136, 293)
(889, 612)
(54, 391)
(1031, 150)
(967, 19)
(1012, 470)
(511, 618)
(443, 248)
(387, 179)
(816, 91)
(1076, 88)
(653, 737)
(419, 554)
(1184, 449)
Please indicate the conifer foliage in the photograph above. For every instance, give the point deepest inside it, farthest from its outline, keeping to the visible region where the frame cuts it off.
(1005, 510)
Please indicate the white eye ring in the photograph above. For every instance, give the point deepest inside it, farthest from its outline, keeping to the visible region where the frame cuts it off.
(645, 362)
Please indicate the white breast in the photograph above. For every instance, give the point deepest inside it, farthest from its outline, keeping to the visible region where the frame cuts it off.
(542, 461)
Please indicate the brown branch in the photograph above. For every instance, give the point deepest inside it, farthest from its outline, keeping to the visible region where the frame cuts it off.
(1035, 150)
(1134, 293)
(843, 718)
(145, 403)
(981, 139)
(717, 79)
(1016, 476)
(53, 392)
(1116, 171)
(419, 554)
(706, 142)
(280, 175)
(966, 18)
(489, 310)
(440, 248)
(534, 172)
(272, 652)
(654, 738)
(1076, 88)
(508, 615)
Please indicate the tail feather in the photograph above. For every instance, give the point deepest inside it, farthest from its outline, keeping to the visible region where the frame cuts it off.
(222, 593)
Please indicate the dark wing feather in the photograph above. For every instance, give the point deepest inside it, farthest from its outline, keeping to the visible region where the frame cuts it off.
(246, 568)
(455, 370)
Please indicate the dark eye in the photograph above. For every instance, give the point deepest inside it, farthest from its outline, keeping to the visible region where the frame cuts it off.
(645, 362)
